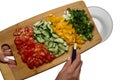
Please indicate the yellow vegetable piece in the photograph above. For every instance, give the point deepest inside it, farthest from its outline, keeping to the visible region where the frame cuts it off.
(65, 30)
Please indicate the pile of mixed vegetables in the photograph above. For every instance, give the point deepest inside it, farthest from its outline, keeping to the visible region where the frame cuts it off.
(48, 39)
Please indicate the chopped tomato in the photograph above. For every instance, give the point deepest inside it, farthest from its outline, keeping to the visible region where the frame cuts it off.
(18, 32)
(32, 53)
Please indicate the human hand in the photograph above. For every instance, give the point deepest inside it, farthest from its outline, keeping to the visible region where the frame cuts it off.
(3, 56)
(71, 70)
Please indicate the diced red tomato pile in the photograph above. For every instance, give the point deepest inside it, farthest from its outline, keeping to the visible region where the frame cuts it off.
(32, 53)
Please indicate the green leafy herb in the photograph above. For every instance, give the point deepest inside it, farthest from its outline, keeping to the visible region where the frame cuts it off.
(80, 21)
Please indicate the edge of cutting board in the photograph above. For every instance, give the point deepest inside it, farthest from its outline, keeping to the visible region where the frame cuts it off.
(12, 74)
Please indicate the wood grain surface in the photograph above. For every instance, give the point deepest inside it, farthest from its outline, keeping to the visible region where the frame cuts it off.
(22, 71)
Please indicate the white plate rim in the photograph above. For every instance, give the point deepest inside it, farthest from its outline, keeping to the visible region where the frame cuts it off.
(104, 38)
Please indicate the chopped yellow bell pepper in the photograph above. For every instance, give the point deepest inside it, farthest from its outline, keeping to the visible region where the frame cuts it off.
(65, 30)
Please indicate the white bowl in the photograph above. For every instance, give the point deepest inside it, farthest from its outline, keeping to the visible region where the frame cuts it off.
(103, 21)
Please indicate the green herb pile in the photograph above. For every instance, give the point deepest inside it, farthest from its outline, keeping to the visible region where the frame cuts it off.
(80, 21)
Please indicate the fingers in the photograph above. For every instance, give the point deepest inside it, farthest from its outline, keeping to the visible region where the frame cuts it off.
(6, 50)
(12, 62)
(77, 73)
(11, 66)
(71, 71)
(67, 64)
(5, 47)
(76, 62)
(78, 69)
(4, 57)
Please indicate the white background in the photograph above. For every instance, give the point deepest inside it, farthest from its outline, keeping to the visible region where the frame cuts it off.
(99, 63)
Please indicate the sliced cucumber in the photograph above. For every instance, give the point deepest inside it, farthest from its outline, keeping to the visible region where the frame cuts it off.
(55, 36)
(40, 39)
(59, 40)
(44, 34)
(65, 44)
(37, 32)
(65, 48)
(61, 51)
(54, 44)
(50, 44)
(53, 50)
(39, 23)
(50, 28)
(52, 39)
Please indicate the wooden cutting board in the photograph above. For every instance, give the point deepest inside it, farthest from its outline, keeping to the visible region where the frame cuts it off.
(22, 71)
